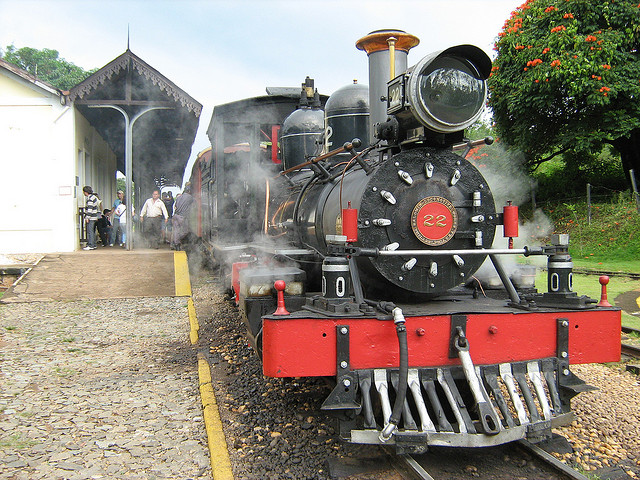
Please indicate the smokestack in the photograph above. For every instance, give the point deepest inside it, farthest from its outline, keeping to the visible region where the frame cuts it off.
(381, 46)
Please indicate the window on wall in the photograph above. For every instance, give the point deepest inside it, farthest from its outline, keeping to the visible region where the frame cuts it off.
(79, 174)
(80, 177)
(101, 179)
(88, 169)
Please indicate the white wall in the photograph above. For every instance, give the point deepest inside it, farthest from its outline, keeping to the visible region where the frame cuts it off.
(38, 168)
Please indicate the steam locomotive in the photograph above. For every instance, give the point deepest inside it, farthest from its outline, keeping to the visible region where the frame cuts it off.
(349, 229)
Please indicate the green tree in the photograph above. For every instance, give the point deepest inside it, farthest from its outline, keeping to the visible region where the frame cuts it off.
(47, 65)
(121, 184)
(567, 79)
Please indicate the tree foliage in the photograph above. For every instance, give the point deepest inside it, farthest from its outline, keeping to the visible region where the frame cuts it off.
(47, 65)
(567, 79)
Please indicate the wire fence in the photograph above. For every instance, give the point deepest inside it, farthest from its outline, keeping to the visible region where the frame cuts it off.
(597, 194)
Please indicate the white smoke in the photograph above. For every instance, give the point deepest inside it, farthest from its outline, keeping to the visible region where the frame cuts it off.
(509, 181)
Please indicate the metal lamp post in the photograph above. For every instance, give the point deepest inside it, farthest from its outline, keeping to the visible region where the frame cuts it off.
(128, 158)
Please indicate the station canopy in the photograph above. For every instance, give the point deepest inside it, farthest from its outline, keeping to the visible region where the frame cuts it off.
(162, 138)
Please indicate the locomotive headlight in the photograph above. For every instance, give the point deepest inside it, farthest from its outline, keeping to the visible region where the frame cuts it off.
(445, 92)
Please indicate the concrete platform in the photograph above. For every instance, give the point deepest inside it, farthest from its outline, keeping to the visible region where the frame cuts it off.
(101, 273)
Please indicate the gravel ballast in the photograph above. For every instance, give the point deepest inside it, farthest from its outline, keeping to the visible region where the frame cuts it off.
(607, 430)
(100, 389)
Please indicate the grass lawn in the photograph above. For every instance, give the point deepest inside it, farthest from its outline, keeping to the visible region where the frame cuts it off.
(610, 265)
(609, 243)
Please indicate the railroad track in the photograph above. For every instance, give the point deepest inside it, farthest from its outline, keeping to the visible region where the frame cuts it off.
(420, 467)
(628, 349)
(630, 330)
(409, 468)
(631, 350)
(551, 460)
(10, 274)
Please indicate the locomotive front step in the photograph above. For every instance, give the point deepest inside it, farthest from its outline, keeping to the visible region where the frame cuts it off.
(526, 398)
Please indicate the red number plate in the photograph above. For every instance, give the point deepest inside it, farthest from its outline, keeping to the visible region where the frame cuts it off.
(434, 220)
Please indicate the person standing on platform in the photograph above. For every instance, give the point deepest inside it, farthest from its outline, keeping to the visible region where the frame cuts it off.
(122, 213)
(154, 210)
(114, 237)
(90, 216)
(104, 227)
(180, 222)
(167, 198)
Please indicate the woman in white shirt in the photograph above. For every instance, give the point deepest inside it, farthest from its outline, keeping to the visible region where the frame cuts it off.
(121, 211)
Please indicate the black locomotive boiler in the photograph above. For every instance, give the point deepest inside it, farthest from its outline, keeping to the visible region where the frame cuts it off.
(350, 228)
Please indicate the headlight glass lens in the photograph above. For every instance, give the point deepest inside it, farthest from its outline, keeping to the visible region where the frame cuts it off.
(450, 91)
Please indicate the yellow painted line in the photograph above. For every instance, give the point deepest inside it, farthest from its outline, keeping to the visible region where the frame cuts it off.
(638, 301)
(218, 451)
(204, 372)
(181, 269)
(193, 322)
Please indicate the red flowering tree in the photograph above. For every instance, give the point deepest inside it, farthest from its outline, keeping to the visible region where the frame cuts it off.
(567, 79)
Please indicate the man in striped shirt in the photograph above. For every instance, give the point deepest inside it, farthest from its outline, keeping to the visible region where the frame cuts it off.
(90, 216)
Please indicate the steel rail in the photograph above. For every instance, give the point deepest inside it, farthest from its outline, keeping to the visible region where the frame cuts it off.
(631, 350)
(628, 349)
(407, 465)
(630, 330)
(551, 460)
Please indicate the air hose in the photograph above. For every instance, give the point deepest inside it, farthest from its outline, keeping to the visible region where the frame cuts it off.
(401, 394)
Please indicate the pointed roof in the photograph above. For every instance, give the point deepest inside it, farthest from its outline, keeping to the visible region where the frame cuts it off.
(162, 139)
(111, 72)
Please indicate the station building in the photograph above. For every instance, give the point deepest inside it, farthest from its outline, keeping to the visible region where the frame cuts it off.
(54, 142)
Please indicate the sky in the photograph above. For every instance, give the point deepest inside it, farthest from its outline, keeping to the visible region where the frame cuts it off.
(220, 51)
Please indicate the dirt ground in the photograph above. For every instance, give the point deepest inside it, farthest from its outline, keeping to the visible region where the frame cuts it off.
(102, 273)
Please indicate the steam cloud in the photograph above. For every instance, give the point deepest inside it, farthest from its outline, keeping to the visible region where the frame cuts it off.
(510, 182)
